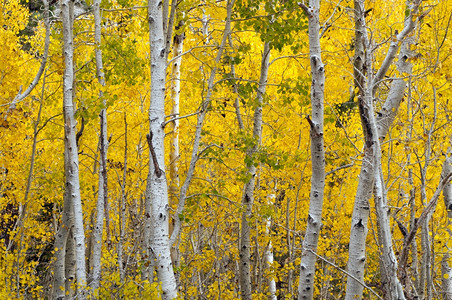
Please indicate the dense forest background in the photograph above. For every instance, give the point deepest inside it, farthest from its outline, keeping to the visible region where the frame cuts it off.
(228, 149)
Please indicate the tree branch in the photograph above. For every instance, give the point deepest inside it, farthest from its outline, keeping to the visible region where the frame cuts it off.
(158, 171)
(346, 273)
(20, 96)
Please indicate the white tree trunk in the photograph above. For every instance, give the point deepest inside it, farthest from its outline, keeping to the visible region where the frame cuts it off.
(70, 265)
(178, 45)
(361, 208)
(446, 269)
(248, 190)
(447, 192)
(314, 220)
(72, 185)
(446, 276)
(59, 276)
(371, 166)
(199, 124)
(122, 209)
(103, 145)
(389, 266)
(268, 254)
(158, 187)
(392, 286)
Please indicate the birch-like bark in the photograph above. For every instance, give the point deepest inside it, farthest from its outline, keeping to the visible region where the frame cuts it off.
(72, 184)
(61, 237)
(361, 208)
(389, 266)
(391, 285)
(447, 192)
(178, 44)
(103, 145)
(446, 269)
(158, 187)
(248, 190)
(148, 257)
(314, 220)
(409, 25)
(371, 166)
(199, 124)
(70, 265)
(446, 276)
(122, 209)
(360, 216)
(268, 254)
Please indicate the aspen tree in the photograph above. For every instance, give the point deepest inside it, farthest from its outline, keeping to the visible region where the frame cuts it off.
(446, 269)
(174, 156)
(248, 189)
(314, 223)
(102, 196)
(158, 187)
(371, 164)
(73, 211)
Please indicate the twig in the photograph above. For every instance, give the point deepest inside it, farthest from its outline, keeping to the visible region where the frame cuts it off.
(339, 168)
(158, 171)
(20, 96)
(178, 118)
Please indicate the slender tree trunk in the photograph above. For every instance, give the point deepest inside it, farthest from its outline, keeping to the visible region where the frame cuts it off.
(446, 276)
(373, 130)
(199, 124)
(314, 224)
(59, 276)
(70, 265)
(268, 255)
(158, 187)
(103, 145)
(178, 45)
(447, 192)
(446, 269)
(72, 184)
(248, 190)
(122, 210)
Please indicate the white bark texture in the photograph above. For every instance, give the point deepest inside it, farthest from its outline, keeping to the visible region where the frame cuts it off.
(268, 254)
(70, 265)
(409, 25)
(178, 45)
(371, 165)
(248, 190)
(360, 216)
(122, 210)
(59, 277)
(314, 220)
(446, 269)
(158, 187)
(103, 145)
(447, 192)
(391, 285)
(446, 276)
(200, 121)
(72, 184)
